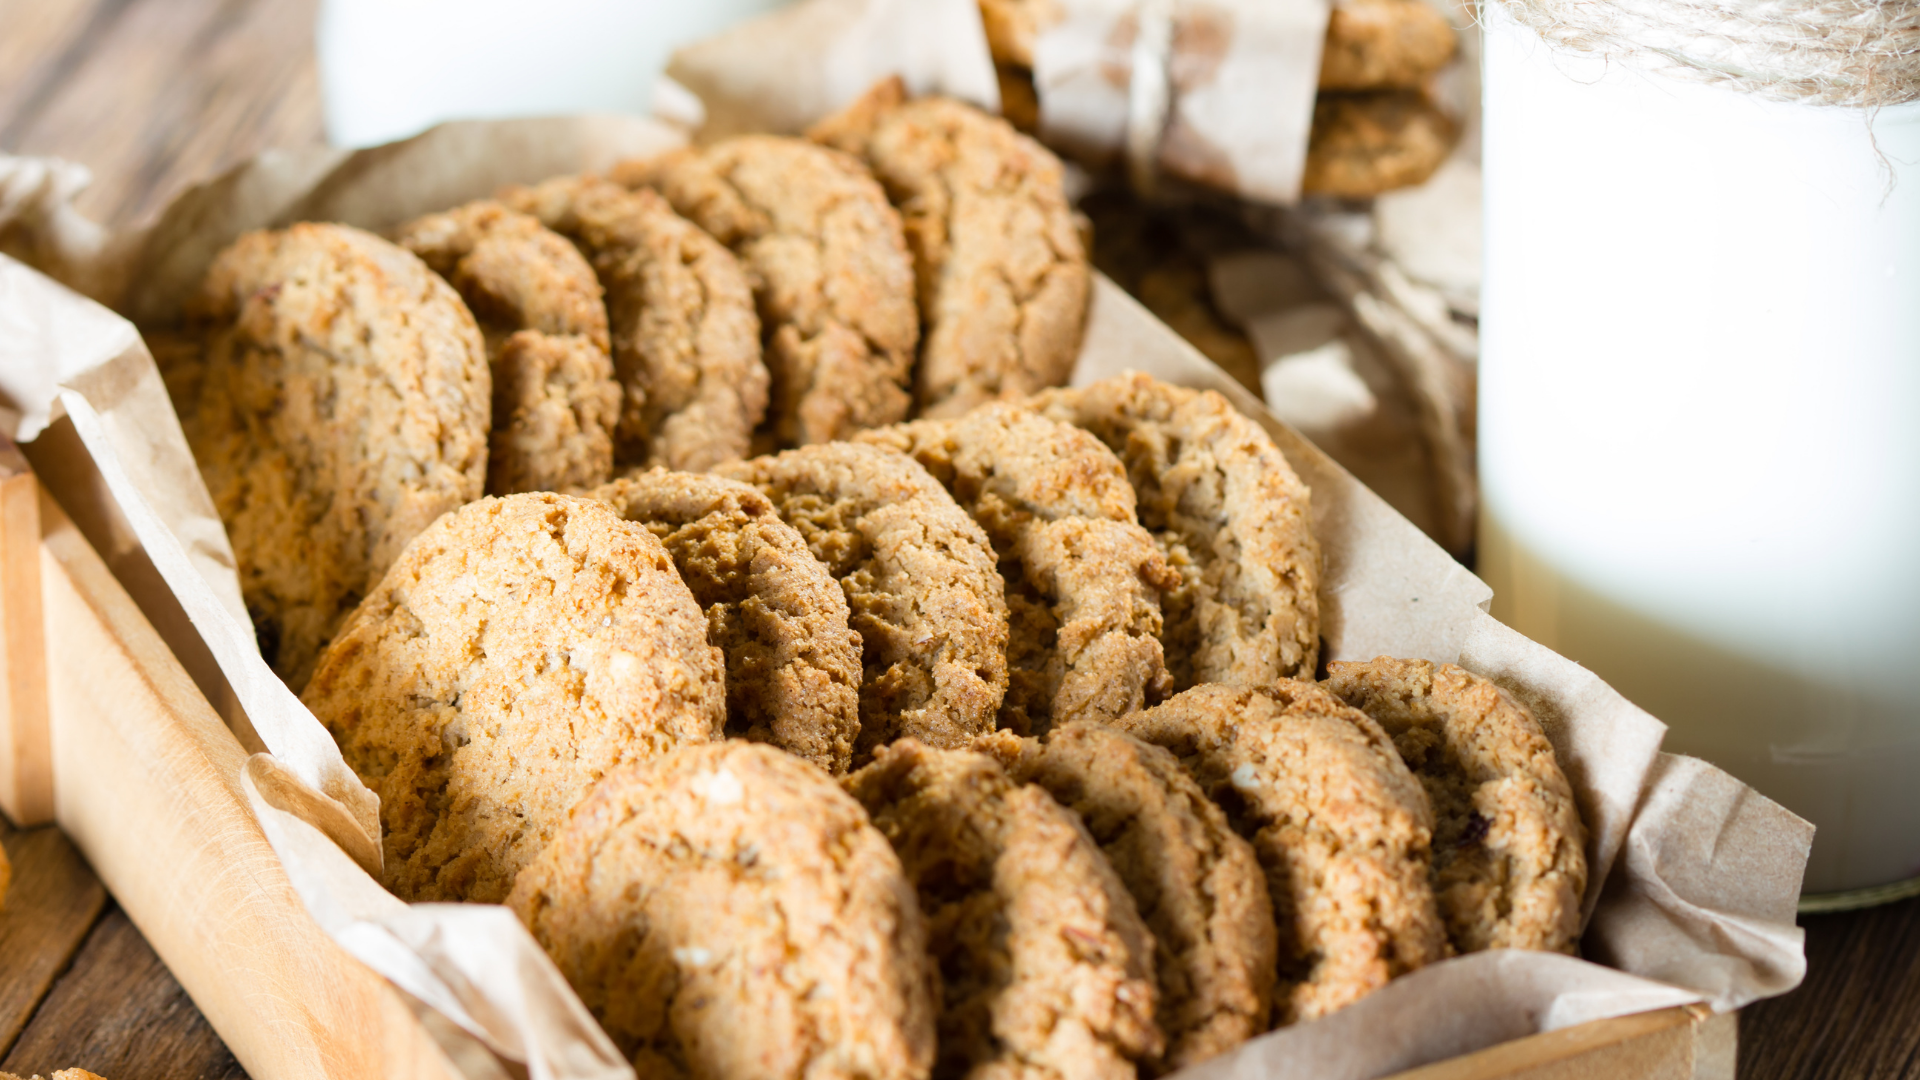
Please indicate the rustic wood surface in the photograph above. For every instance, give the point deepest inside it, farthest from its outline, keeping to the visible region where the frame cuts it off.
(155, 94)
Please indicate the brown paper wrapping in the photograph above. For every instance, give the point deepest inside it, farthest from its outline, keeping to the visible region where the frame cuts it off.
(1694, 876)
(1217, 92)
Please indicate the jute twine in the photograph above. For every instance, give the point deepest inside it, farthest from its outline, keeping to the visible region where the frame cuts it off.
(1861, 53)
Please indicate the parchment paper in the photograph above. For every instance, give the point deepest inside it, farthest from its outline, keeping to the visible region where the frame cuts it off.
(784, 70)
(1694, 876)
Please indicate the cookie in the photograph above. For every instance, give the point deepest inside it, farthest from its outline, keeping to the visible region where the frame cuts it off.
(1014, 26)
(1509, 852)
(793, 666)
(1384, 45)
(831, 272)
(519, 650)
(1083, 579)
(686, 340)
(1046, 970)
(555, 401)
(1366, 144)
(728, 913)
(342, 405)
(1003, 274)
(1232, 517)
(920, 583)
(1341, 827)
(1196, 882)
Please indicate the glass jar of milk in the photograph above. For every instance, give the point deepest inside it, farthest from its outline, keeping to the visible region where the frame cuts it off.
(391, 68)
(1700, 423)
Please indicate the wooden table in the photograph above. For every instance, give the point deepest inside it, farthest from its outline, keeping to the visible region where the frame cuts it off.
(154, 94)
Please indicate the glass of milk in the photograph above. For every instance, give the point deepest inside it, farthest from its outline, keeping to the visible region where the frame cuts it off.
(391, 68)
(1700, 424)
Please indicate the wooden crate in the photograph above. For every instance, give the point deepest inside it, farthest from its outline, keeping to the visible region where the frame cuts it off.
(103, 731)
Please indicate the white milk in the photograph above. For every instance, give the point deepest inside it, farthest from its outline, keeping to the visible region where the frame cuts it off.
(1700, 423)
(391, 68)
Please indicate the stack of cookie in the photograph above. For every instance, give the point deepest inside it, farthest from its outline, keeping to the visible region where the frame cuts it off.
(1375, 128)
(984, 740)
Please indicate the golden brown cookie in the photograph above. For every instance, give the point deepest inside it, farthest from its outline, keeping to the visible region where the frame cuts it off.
(555, 401)
(728, 913)
(342, 405)
(1384, 45)
(793, 666)
(1196, 882)
(1509, 852)
(1083, 578)
(1046, 969)
(686, 341)
(831, 272)
(519, 650)
(1341, 826)
(1232, 517)
(920, 583)
(1003, 274)
(1365, 144)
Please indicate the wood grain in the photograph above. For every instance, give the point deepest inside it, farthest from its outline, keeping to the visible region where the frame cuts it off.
(147, 784)
(1858, 1013)
(153, 95)
(119, 1013)
(26, 749)
(54, 901)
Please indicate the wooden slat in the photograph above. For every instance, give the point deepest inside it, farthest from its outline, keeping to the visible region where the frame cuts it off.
(147, 783)
(1655, 1045)
(26, 752)
(54, 901)
(119, 1013)
(173, 91)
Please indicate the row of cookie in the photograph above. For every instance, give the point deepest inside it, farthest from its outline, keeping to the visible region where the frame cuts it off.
(1374, 127)
(472, 694)
(338, 397)
(846, 592)
(518, 633)
(1075, 907)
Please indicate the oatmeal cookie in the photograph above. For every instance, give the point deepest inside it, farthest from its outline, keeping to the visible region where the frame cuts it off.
(554, 398)
(1368, 143)
(1232, 517)
(518, 650)
(1003, 274)
(728, 913)
(1197, 883)
(919, 579)
(1341, 826)
(830, 267)
(1384, 44)
(793, 666)
(686, 341)
(1509, 852)
(340, 407)
(1083, 578)
(1045, 967)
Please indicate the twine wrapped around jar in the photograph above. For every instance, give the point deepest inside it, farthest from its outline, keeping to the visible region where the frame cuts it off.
(1860, 53)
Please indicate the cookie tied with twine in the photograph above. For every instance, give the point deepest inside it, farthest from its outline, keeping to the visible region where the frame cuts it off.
(1859, 53)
